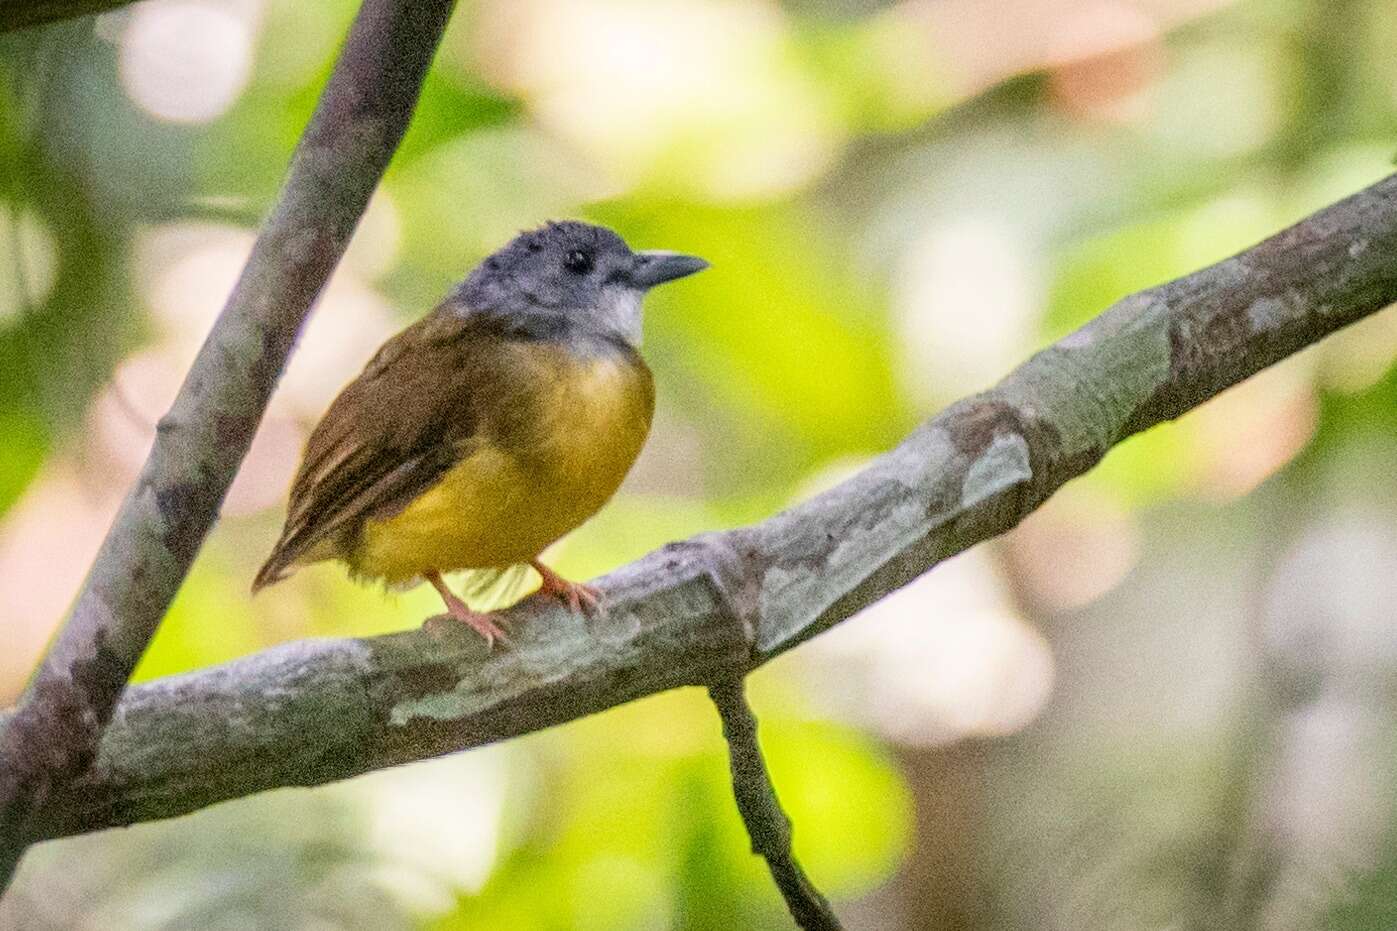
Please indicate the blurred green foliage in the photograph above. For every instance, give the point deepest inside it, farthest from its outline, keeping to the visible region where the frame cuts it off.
(936, 205)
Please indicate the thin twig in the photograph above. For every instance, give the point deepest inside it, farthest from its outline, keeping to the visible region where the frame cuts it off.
(767, 823)
(362, 114)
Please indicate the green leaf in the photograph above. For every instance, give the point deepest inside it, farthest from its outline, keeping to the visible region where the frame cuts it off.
(25, 446)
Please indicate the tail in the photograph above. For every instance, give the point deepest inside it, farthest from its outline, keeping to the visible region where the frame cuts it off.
(272, 571)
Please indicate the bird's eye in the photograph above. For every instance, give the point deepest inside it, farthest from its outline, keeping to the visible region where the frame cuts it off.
(577, 262)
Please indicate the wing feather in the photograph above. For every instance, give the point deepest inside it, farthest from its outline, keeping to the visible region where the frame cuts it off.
(382, 442)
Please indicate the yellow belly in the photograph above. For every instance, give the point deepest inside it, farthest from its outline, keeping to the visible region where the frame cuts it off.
(518, 490)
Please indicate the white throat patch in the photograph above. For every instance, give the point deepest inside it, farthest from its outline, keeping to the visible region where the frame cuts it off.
(620, 312)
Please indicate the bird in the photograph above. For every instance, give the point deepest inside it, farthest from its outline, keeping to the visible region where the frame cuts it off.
(489, 428)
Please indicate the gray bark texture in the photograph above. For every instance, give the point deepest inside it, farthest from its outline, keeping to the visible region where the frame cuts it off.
(708, 610)
(53, 735)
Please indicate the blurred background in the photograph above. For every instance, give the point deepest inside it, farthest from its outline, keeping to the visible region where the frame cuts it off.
(1165, 701)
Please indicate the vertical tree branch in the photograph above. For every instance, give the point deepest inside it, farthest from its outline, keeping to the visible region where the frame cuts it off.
(362, 114)
(761, 811)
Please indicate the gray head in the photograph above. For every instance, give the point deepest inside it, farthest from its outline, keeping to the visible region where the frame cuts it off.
(586, 274)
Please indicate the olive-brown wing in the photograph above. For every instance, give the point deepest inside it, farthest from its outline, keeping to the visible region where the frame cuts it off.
(388, 436)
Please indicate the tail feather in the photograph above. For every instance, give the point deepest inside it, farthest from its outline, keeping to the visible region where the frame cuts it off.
(277, 567)
(272, 572)
(290, 553)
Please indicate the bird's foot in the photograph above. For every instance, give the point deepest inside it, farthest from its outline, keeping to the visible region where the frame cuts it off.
(482, 623)
(582, 599)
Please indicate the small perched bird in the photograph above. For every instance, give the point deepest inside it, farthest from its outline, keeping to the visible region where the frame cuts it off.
(489, 428)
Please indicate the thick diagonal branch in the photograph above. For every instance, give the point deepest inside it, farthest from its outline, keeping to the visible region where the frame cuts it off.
(362, 115)
(767, 824)
(700, 612)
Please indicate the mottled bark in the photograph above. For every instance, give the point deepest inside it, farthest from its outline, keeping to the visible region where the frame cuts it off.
(363, 112)
(704, 611)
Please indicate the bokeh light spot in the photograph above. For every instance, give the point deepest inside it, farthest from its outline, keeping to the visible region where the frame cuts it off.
(185, 62)
(723, 109)
(968, 296)
(28, 260)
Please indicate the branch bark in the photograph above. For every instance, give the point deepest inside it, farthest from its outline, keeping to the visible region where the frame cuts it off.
(712, 608)
(767, 824)
(363, 112)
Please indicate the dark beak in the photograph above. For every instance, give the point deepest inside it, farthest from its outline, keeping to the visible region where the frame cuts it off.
(656, 267)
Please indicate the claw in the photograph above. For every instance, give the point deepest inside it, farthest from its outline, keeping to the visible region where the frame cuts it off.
(481, 623)
(582, 599)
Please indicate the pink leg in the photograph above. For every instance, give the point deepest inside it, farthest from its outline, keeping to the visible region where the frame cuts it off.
(581, 598)
(482, 624)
